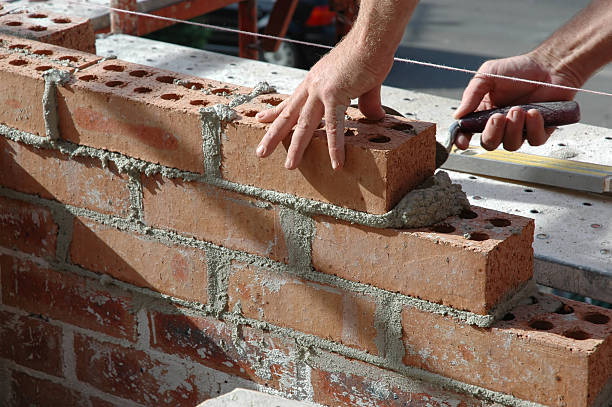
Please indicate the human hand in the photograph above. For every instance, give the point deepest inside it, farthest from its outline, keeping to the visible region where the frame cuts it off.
(349, 71)
(485, 92)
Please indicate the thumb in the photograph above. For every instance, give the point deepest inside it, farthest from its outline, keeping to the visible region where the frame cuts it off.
(473, 94)
(370, 105)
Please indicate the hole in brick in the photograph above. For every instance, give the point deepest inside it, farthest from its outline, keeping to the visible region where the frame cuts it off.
(534, 211)
(479, 236)
(61, 20)
(19, 46)
(379, 139)
(219, 91)
(165, 79)
(69, 58)
(564, 309)
(112, 84)
(170, 96)
(508, 317)
(13, 23)
(138, 73)
(467, 214)
(250, 113)
(528, 190)
(500, 222)
(541, 325)
(43, 68)
(43, 52)
(587, 204)
(88, 78)
(597, 318)
(193, 85)
(198, 102)
(533, 300)
(18, 62)
(142, 90)
(349, 133)
(272, 101)
(443, 228)
(114, 68)
(37, 15)
(37, 28)
(577, 334)
(402, 127)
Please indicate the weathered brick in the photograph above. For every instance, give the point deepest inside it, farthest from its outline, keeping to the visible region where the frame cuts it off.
(31, 342)
(67, 57)
(470, 262)
(32, 391)
(210, 342)
(66, 297)
(215, 215)
(292, 302)
(174, 270)
(133, 374)
(546, 352)
(384, 160)
(78, 181)
(27, 227)
(66, 31)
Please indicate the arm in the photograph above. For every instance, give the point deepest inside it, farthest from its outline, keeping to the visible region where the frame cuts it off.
(568, 57)
(355, 68)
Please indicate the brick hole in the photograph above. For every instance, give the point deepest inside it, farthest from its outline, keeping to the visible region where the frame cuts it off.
(88, 78)
(198, 102)
(112, 84)
(13, 23)
(114, 68)
(46, 52)
(37, 15)
(18, 62)
(19, 46)
(533, 300)
(37, 28)
(379, 139)
(403, 127)
(142, 90)
(272, 101)
(479, 236)
(541, 325)
(170, 96)
(468, 214)
(138, 73)
(443, 228)
(193, 85)
(43, 68)
(597, 318)
(220, 90)
(349, 133)
(69, 58)
(61, 20)
(250, 113)
(508, 317)
(564, 309)
(500, 222)
(165, 79)
(577, 334)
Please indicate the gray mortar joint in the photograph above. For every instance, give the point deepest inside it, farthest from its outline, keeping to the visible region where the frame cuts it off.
(53, 77)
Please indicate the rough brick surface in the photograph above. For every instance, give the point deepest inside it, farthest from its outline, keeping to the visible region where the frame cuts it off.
(173, 270)
(308, 307)
(66, 297)
(545, 352)
(133, 374)
(31, 342)
(49, 174)
(66, 31)
(31, 391)
(28, 228)
(384, 160)
(440, 264)
(215, 215)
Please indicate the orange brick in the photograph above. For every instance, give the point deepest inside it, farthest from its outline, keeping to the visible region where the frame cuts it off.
(28, 228)
(133, 374)
(440, 264)
(31, 342)
(384, 160)
(214, 215)
(78, 181)
(66, 297)
(66, 56)
(32, 391)
(545, 352)
(66, 31)
(292, 302)
(138, 111)
(173, 270)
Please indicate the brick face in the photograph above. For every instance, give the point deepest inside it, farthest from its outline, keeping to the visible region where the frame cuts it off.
(49, 174)
(66, 297)
(308, 307)
(214, 215)
(31, 342)
(31, 391)
(174, 270)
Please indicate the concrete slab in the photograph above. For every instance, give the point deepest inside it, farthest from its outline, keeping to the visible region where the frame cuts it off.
(573, 243)
(251, 398)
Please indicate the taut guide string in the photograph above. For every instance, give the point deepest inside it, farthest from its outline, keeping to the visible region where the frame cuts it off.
(312, 44)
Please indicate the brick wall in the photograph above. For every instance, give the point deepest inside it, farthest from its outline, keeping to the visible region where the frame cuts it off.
(147, 258)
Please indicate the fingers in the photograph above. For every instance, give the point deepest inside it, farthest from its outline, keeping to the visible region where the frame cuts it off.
(307, 123)
(462, 141)
(536, 133)
(493, 132)
(370, 104)
(334, 127)
(473, 94)
(513, 134)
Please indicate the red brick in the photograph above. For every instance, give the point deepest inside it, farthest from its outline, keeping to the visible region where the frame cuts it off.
(43, 52)
(375, 177)
(215, 215)
(27, 227)
(32, 391)
(31, 342)
(174, 270)
(132, 109)
(292, 302)
(66, 31)
(49, 174)
(66, 297)
(133, 374)
(209, 341)
(438, 264)
(540, 352)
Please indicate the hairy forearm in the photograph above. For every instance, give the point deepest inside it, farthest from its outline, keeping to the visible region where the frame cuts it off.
(581, 46)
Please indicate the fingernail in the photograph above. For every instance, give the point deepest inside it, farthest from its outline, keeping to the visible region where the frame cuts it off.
(334, 164)
(260, 151)
(259, 115)
(288, 163)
